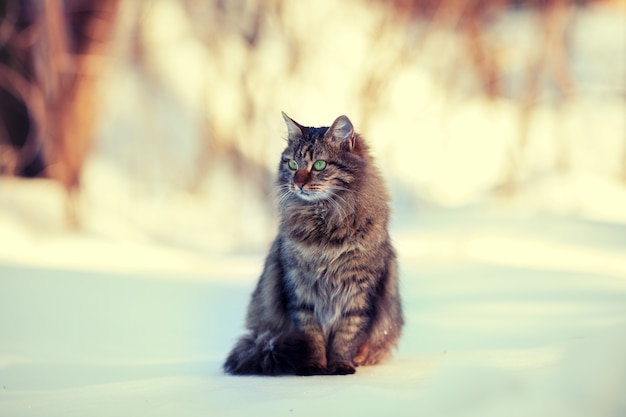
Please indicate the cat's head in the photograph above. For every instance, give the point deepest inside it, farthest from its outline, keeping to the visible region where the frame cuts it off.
(320, 162)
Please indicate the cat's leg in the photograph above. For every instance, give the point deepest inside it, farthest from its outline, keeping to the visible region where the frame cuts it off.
(345, 339)
(362, 354)
(382, 336)
(385, 328)
(317, 363)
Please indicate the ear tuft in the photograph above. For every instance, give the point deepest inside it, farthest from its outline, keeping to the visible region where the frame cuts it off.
(293, 128)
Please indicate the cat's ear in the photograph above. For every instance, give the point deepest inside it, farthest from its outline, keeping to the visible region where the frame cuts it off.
(293, 128)
(342, 131)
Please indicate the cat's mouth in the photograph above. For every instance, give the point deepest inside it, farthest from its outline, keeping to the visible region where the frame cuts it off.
(310, 194)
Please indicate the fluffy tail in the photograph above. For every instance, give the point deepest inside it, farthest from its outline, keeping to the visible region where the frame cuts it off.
(267, 354)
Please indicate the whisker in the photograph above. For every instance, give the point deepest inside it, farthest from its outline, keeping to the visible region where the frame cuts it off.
(284, 193)
(345, 203)
(284, 197)
(337, 206)
(340, 188)
(341, 198)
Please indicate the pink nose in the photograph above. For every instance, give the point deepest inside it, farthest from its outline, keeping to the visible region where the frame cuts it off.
(300, 178)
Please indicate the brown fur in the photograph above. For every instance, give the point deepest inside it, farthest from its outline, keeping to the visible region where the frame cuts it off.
(327, 300)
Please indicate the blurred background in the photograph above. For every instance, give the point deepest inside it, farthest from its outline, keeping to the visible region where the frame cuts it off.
(158, 121)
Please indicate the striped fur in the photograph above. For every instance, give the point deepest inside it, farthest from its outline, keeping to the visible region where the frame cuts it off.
(327, 299)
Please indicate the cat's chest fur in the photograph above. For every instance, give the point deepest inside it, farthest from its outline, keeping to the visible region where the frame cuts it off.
(321, 278)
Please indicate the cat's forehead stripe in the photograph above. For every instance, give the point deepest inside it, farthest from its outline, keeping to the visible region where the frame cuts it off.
(308, 140)
(304, 150)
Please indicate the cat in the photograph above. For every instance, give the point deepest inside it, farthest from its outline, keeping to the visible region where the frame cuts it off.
(327, 300)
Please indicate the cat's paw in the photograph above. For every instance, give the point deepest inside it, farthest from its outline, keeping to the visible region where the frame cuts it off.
(312, 369)
(341, 368)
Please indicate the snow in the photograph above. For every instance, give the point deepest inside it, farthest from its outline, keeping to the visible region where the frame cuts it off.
(514, 306)
(506, 315)
(480, 340)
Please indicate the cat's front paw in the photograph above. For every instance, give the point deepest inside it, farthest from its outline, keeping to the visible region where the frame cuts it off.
(312, 369)
(341, 368)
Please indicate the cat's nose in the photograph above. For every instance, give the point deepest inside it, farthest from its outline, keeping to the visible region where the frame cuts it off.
(300, 178)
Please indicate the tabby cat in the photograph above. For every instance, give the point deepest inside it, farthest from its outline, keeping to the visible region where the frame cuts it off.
(327, 300)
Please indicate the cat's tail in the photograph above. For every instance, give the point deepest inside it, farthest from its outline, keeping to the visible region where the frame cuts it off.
(268, 354)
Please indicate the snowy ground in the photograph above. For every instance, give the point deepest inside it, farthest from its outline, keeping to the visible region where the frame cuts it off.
(507, 315)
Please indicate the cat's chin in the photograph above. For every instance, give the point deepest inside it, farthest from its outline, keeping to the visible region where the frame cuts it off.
(310, 197)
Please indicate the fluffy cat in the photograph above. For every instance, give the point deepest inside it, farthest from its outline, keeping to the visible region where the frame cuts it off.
(327, 299)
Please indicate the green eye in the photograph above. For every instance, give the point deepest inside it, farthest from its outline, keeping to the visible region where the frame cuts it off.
(319, 165)
(293, 165)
